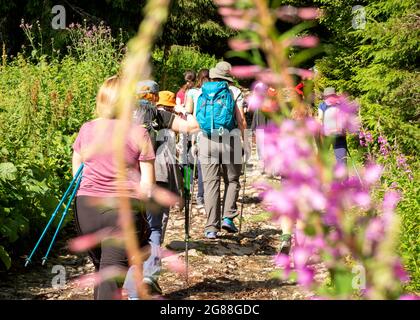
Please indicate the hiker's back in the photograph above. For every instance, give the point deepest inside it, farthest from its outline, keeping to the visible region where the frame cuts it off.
(216, 108)
(147, 116)
(332, 120)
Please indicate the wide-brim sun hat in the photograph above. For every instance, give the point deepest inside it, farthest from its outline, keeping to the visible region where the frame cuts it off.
(329, 91)
(221, 71)
(167, 99)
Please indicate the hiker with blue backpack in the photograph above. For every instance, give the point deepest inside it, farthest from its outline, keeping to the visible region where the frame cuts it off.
(329, 117)
(156, 112)
(222, 122)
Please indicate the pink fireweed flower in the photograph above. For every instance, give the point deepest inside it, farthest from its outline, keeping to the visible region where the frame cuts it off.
(174, 261)
(301, 256)
(402, 163)
(281, 203)
(94, 279)
(282, 261)
(305, 276)
(305, 41)
(372, 174)
(340, 171)
(245, 71)
(362, 138)
(237, 23)
(409, 297)
(255, 101)
(348, 118)
(91, 240)
(390, 202)
(227, 11)
(241, 45)
(362, 199)
(400, 272)
(383, 146)
(259, 88)
(308, 13)
(375, 230)
(313, 126)
(224, 2)
(368, 137)
(302, 73)
(269, 77)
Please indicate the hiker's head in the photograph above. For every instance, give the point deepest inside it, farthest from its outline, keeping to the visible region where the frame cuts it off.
(330, 96)
(202, 77)
(166, 100)
(221, 72)
(189, 77)
(107, 97)
(147, 91)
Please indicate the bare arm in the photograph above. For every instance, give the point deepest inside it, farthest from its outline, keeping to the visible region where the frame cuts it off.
(240, 119)
(147, 179)
(189, 105)
(76, 162)
(186, 126)
(240, 106)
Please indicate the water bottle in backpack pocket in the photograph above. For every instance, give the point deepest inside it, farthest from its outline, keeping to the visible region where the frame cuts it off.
(216, 108)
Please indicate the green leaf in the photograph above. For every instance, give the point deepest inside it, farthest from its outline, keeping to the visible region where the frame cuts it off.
(4, 256)
(8, 171)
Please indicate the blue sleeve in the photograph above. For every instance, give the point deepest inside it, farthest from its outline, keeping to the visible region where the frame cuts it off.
(322, 106)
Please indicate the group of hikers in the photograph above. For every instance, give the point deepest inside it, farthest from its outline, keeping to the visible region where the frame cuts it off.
(203, 123)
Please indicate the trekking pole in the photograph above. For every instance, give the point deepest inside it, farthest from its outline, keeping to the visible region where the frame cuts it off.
(242, 202)
(193, 177)
(76, 176)
(187, 214)
(354, 167)
(44, 259)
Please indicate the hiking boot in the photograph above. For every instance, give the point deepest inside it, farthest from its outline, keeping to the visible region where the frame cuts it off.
(286, 243)
(211, 235)
(229, 226)
(153, 285)
(200, 203)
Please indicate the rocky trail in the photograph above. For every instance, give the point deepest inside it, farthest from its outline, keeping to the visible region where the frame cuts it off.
(231, 267)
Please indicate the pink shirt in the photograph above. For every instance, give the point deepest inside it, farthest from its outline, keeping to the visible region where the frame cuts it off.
(95, 144)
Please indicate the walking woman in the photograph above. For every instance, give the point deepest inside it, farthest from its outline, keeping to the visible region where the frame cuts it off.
(153, 113)
(97, 197)
(181, 95)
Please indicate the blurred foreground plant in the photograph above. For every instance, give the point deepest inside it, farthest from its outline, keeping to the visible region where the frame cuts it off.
(342, 224)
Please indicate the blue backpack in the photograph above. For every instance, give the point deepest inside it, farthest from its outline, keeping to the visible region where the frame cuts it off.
(216, 108)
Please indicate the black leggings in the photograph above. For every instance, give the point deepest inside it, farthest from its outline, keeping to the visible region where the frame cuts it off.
(91, 218)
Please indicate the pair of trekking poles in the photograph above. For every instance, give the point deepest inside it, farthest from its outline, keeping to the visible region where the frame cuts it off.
(69, 196)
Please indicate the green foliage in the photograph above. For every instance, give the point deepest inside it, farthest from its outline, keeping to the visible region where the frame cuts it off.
(170, 72)
(43, 103)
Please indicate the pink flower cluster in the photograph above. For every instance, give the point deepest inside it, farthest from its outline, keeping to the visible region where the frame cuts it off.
(403, 165)
(310, 193)
(384, 147)
(365, 138)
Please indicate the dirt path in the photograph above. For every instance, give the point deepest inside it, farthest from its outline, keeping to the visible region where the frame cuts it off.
(232, 267)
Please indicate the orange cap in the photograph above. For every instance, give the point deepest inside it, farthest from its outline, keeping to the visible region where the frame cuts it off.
(167, 99)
